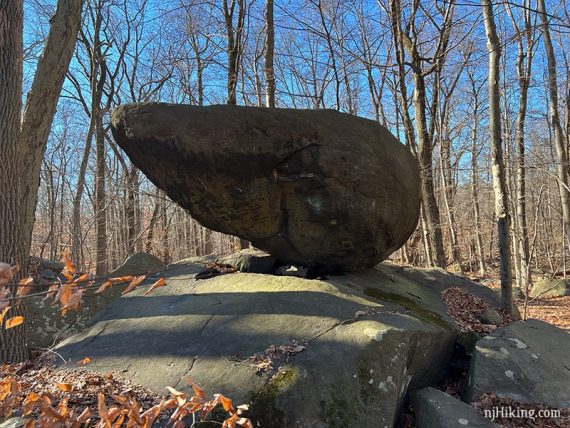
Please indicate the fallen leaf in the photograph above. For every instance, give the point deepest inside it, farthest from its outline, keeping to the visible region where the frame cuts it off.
(84, 361)
(159, 283)
(65, 387)
(14, 321)
(84, 416)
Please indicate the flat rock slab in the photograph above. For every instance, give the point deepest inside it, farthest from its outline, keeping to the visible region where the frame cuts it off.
(436, 409)
(318, 188)
(370, 337)
(528, 361)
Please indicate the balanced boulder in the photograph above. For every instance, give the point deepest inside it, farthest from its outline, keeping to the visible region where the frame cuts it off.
(318, 188)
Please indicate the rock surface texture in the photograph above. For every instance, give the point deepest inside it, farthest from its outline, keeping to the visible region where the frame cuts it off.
(317, 188)
(526, 361)
(549, 288)
(369, 337)
(436, 409)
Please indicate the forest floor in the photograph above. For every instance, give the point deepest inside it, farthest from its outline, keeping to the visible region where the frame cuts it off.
(554, 310)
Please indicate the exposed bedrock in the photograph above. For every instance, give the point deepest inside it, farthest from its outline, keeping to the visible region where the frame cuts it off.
(317, 188)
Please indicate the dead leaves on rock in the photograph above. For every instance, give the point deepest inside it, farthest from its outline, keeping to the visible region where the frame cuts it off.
(215, 269)
(270, 360)
(161, 282)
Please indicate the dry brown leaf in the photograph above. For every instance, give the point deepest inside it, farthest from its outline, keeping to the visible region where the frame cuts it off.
(159, 283)
(230, 422)
(14, 321)
(24, 286)
(73, 303)
(106, 285)
(7, 273)
(3, 314)
(64, 293)
(82, 278)
(69, 269)
(84, 361)
(121, 279)
(133, 284)
(65, 387)
(85, 416)
(226, 403)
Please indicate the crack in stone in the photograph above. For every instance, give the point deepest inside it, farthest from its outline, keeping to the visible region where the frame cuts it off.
(187, 371)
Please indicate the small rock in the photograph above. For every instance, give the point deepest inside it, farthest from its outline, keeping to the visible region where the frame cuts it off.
(490, 316)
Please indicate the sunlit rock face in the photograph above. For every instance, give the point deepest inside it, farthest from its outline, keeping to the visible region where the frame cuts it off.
(318, 188)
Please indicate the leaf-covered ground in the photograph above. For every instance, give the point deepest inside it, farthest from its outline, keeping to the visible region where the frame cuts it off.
(555, 311)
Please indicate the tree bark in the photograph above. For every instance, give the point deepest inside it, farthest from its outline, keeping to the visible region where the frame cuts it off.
(234, 49)
(14, 245)
(497, 163)
(269, 50)
(475, 179)
(562, 167)
(23, 144)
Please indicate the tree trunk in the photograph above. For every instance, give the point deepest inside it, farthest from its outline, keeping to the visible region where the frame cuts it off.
(475, 182)
(234, 35)
(497, 163)
(76, 231)
(561, 151)
(269, 49)
(15, 242)
(22, 147)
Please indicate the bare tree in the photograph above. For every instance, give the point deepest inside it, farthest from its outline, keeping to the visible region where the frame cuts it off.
(562, 167)
(234, 34)
(269, 50)
(497, 162)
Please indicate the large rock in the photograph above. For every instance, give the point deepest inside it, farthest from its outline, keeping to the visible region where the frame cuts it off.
(527, 361)
(47, 326)
(317, 188)
(370, 337)
(548, 288)
(436, 409)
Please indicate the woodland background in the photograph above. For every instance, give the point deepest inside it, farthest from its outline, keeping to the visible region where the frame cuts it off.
(418, 67)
